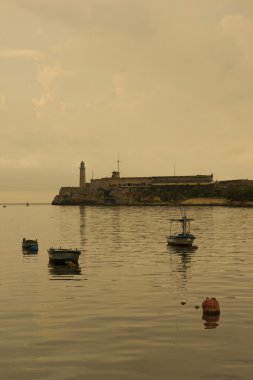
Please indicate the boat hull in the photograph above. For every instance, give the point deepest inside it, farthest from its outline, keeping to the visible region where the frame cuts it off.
(180, 240)
(63, 255)
(30, 245)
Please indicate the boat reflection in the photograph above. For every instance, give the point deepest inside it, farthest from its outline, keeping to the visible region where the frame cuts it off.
(29, 252)
(70, 271)
(181, 259)
(181, 256)
(181, 249)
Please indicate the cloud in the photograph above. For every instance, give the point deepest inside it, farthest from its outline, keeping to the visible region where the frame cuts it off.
(238, 30)
(28, 54)
(115, 75)
(2, 101)
(50, 100)
(123, 16)
(28, 162)
(119, 81)
(48, 74)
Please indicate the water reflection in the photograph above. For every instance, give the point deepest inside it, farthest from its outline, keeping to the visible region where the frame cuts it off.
(29, 252)
(64, 271)
(181, 249)
(82, 212)
(211, 321)
(116, 226)
(181, 257)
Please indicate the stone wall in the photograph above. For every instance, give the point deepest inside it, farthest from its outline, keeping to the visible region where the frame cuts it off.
(151, 181)
(105, 193)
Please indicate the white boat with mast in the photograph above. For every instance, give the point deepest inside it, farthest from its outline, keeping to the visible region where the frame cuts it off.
(184, 238)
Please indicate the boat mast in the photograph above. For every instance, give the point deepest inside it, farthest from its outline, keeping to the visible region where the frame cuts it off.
(184, 224)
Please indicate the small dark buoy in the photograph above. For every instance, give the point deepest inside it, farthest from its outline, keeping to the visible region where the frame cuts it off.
(197, 307)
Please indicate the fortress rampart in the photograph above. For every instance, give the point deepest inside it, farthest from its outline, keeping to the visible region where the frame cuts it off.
(126, 190)
(151, 181)
(152, 190)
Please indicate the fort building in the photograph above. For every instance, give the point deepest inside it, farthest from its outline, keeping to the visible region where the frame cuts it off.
(127, 190)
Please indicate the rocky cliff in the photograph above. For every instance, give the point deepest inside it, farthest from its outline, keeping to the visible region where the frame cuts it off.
(225, 193)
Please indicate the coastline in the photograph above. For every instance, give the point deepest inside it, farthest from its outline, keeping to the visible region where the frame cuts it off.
(216, 202)
(203, 202)
(196, 190)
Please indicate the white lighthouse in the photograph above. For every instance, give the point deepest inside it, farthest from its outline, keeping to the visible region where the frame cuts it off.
(82, 175)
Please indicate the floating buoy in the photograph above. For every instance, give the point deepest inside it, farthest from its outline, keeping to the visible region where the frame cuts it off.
(210, 306)
(196, 307)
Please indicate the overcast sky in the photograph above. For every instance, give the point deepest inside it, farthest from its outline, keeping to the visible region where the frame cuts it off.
(162, 82)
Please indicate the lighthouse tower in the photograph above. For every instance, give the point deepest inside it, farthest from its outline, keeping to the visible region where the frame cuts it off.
(82, 175)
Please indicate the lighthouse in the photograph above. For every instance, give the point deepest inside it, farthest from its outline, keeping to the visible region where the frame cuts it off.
(82, 175)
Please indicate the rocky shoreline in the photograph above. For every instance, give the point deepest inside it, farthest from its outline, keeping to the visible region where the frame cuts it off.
(152, 191)
(217, 202)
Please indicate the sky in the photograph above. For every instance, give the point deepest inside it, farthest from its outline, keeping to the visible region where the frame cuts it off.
(163, 83)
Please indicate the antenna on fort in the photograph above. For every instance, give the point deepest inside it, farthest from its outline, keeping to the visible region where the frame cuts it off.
(118, 161)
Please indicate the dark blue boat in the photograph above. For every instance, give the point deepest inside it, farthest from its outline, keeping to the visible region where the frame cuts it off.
(30, 245)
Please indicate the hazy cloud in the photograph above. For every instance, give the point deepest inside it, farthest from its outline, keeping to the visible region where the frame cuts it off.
(46, 76)
(160, 81)
(30, 54)
(2, 101)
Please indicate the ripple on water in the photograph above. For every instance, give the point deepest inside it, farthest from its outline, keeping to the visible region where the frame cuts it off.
(129, 310)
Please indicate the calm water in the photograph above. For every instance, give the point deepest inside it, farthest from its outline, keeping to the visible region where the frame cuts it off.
(119, 315)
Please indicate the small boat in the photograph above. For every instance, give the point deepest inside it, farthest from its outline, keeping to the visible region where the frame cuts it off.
(184, 238)
(27, 204)
(30, 245)
(63, 255)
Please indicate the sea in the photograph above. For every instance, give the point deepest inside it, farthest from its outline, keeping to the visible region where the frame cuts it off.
(132, 309)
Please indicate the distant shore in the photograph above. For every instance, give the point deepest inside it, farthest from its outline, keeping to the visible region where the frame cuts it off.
(223, 193)
(216, 202)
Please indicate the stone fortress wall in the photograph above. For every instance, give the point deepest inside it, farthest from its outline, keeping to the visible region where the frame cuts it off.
(126, 189)
(150, 181)
(152, 190)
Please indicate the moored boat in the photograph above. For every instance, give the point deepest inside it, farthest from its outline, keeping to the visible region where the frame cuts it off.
(30, 245)
(184, 238)
(63, 255)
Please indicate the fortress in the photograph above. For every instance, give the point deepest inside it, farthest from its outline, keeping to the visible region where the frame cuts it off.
(132, 190)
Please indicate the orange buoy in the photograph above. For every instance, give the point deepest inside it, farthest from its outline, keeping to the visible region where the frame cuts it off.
(211, 306)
